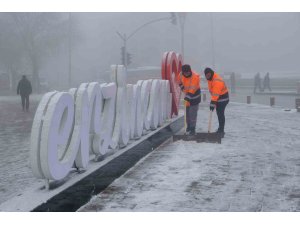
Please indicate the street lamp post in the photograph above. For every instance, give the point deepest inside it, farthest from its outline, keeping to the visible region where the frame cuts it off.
(182, 16)
(70, 49)
(123, 49)
(125, 38)
(212, 39)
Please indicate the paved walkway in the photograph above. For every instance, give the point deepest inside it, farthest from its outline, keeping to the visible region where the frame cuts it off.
(15, 129)
(256, 168)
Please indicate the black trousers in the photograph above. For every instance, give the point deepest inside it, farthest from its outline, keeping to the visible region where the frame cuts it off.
(191, 117)
(25, 102)
(221, 114)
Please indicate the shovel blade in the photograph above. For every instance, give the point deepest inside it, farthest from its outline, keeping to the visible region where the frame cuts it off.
(199, 137)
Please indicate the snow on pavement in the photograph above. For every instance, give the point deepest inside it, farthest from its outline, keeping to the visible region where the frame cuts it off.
(15, 129)
(256, 168)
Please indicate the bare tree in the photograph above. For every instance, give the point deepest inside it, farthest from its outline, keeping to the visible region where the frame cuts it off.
(11, 49)
(40, 34)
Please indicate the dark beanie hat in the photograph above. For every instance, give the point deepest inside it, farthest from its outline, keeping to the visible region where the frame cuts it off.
(208, 70)
(186, 68)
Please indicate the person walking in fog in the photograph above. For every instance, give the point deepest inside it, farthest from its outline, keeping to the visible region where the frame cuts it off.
(266, 82)
(257, 83)
(219, 97)
(24, 90)
(189, 83)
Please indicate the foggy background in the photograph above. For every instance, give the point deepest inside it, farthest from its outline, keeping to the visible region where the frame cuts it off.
(58, 51)
(63, 48)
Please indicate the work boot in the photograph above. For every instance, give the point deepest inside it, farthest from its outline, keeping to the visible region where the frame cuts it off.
(188, 129)
(192, 131)
(221, 133)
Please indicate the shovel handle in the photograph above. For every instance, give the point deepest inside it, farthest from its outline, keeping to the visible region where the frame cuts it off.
(209, 121)
(184, 116)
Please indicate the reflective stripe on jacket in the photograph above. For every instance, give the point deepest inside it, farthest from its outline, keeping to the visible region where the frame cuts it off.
(218, 89)
(191, 87)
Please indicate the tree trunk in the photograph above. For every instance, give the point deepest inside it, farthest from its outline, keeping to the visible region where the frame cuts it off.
(13, 76)
(35, 74)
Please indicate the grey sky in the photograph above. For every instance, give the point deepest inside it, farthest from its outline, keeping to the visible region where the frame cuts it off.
(243, 42)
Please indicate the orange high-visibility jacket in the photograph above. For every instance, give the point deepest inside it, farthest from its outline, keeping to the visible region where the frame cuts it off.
(218, 89)
(191, 87)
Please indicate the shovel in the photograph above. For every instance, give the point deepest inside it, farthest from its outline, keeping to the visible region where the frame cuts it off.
(200, 137)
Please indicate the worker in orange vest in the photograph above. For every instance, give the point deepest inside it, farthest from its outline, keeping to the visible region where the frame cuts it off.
(219, 96)
(189, 82)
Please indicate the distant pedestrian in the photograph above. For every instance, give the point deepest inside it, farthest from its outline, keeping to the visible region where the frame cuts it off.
(24, 90)
(232, 82)
(266, 82)
(257, 83)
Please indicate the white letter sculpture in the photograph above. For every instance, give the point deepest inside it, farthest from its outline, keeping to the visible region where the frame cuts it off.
(69, 127)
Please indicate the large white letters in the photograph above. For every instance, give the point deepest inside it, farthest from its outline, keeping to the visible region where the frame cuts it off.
(107, 119)
(71, 126)
(138, 127)
(56, 157)
(131, 106)
(153, 104)
(35, 142)
(121, 130)
(145, 97)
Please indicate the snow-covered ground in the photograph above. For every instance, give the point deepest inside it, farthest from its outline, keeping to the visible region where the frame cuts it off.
(256, 168)
(15, 129)
(35, 194)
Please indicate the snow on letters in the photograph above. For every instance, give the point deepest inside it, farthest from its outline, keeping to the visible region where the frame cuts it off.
(70, 127)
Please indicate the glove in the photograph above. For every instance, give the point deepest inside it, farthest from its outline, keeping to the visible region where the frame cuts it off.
(187, 99)
(181, 87)
(212, 105)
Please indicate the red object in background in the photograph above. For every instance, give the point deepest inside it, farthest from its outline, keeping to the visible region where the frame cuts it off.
(179, 60)
(164, 66)
(171, 66)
